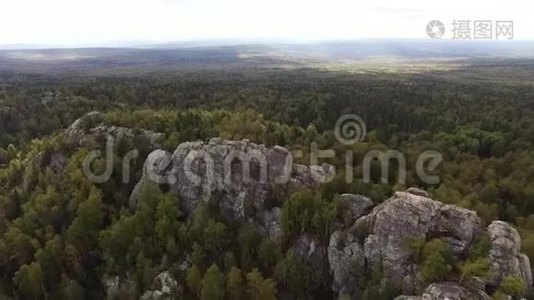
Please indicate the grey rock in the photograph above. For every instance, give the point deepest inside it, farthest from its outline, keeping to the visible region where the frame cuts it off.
(85, 122)
(112, 285)
(379, 239)
(451, 291)
(408, 215)
(271, 223)
(165, 287)
(506, 259)
(347, 261)
(404, 297)
(418, 192)
(383, 233)
(89, 129)
(357, 205)
(58, 161)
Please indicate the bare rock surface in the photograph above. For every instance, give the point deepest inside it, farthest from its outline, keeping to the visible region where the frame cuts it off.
(347, 261)
(379, 238)
(357, 205)
(165, 287)
(90, 128)
(506, 259)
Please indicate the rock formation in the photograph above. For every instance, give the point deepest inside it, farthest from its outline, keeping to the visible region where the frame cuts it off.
(164, 287)
(447, 291)
(379, 238)
(238, 176)
(506, 260)
(90, 128)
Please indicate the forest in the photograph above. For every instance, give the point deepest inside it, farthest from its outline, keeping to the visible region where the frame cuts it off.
(63, 236)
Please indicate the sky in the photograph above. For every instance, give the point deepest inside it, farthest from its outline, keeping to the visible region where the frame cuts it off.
(106, 22)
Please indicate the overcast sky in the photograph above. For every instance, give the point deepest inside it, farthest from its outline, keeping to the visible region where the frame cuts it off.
(75, 22)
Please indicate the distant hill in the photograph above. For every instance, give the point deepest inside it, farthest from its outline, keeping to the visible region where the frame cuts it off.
(224, 55)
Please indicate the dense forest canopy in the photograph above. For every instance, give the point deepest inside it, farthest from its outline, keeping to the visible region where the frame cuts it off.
(63, 236)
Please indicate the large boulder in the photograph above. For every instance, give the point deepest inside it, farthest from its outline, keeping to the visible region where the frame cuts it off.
(85, 122)
(447, 291)
(452, 291)
(506, 259)
(237, 176)
(382, 235)
(409, 215)
(356, 205)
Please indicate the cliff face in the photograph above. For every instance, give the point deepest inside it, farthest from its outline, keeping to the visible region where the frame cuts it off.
(216, 172)
(379, 239)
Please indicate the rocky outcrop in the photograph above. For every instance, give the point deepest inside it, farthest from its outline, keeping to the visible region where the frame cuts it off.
(89, 129)
(345, 249)
(270, 223)
(237, 176)
(347, 261)
(85, 122)
(379, 239)
(164, 287)
(506, 259)
(382, 235)
(447, 291)
(241, 178)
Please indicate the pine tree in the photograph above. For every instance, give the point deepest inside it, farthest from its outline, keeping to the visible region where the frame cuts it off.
(213, 284)
(235, 286)
(259, 288)
(194, 280)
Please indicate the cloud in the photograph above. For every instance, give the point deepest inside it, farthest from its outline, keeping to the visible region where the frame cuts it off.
(79, 22)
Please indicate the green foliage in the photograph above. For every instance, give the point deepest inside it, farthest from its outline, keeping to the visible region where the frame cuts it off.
(29, 280)
(62, 233)
(306, 211)
(269, 253)
(194, 280)
(434, 257)
(290, 273)
(378, 287)
(86, 226)
(235, 284)
(259, 288)
(415, 245)
(434, 268)
(479, 267)
(213, 284)
(513, 286)
(474, 140)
